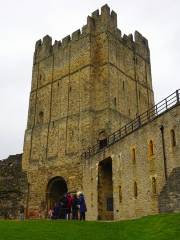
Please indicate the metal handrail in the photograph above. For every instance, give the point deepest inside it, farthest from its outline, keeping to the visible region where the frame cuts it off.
(148, 116)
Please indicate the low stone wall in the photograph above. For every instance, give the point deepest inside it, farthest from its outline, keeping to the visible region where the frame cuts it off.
(13, 186)
(169, 198)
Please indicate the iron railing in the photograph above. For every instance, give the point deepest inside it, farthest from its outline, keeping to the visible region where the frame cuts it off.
(151, 114)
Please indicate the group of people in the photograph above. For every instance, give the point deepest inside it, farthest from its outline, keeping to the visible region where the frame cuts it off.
(71, 206)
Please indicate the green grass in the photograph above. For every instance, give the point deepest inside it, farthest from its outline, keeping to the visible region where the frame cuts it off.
(159, 227)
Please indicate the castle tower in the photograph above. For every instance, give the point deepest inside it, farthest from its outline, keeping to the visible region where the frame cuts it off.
(83, 88)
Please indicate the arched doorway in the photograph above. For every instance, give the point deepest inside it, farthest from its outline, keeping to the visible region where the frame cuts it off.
(105, 190)
(56, 189)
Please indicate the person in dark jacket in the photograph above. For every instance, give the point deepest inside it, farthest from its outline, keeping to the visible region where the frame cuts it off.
(75, 207)
(56, 211)
(63, 204)
(82, 208)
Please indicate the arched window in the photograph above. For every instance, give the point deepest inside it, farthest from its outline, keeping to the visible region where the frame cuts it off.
(133, 155)
(151, 148)
(102, 139)
(135, 190)
(173, 138)
(154, 189)
(120, 194)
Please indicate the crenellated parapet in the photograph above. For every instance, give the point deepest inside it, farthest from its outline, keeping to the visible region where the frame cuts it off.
(139, 39)
(99, 22)
(141, 45)
(95, 23)
(43, 48)
(107, 20)
(137, 43)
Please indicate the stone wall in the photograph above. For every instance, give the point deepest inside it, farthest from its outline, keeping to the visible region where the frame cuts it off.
(13, 186)
(169, 197)
(146, 170)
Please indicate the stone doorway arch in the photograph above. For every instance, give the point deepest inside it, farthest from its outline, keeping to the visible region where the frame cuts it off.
(105, 190)
(56, 189)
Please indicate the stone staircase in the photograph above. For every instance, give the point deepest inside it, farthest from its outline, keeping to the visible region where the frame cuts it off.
(148, 116)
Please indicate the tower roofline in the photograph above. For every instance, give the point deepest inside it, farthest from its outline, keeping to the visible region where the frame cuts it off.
(104, 20)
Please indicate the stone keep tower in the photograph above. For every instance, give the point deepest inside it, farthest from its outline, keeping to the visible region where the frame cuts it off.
(83, 88)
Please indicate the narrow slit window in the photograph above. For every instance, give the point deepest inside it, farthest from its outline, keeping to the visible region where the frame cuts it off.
(120, 194)
(41, 117)
(133, 155)
(115, 102)
(135, 190)
(173, 138)
(151, 148)
(123, 86)
(154, 188)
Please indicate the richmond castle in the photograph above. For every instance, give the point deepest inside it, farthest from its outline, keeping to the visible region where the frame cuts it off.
(93, 126)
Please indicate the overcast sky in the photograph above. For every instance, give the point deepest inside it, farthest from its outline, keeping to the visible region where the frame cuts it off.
(22, 22)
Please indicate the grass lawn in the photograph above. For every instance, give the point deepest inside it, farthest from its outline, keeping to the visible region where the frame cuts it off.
(159, 227)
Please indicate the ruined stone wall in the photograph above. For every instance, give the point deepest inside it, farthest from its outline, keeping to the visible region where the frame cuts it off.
(88, 84)
(13, 186)
(169, 197)
(147, 169)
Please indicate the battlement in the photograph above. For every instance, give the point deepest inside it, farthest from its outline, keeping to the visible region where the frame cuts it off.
(107, 18)
(139, 39)
(137, 43)
(99, 21)
(45, 48)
